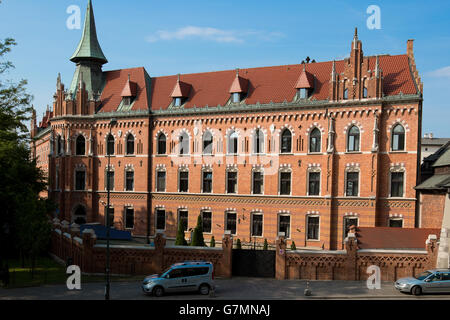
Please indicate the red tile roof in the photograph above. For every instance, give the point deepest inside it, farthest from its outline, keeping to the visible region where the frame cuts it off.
(130, 89)
(393, 238)
(115, 83)
(181, 90)
(306, 80)
(239, 85)
(265, 84)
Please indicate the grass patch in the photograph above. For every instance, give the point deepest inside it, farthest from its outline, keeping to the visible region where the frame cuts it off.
(48, 271)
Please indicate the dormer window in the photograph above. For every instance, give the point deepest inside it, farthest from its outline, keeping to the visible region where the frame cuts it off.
(238, 89)
(180, 93)
(236, 97)
(305, 84)
(126, 101)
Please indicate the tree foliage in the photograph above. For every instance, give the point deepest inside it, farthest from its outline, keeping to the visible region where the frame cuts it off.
(24, 224)
(212, 243)
(197, 236)
(180, 240)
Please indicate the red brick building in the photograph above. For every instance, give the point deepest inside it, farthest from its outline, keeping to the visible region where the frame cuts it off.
(306, 149)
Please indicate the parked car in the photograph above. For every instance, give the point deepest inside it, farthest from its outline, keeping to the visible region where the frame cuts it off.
(430, 281)
(181, 277)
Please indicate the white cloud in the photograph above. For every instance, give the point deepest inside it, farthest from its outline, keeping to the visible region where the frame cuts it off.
(211, 34)
(440, 73)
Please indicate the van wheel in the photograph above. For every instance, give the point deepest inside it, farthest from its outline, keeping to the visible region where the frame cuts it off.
(417, 291)
(204, 289)
(158, 291)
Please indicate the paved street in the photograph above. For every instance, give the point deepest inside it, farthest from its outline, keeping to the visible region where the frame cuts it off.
(234, 289)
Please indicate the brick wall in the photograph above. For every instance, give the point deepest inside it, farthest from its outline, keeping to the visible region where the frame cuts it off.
(351, 263)
(432, 209)
(90, 256)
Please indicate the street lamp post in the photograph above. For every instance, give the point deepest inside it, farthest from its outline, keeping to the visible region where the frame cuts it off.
(108, 227)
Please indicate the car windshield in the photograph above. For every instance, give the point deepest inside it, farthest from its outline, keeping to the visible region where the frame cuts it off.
(160, 274)
(423, 275)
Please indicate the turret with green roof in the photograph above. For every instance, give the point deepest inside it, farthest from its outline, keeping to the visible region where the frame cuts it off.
(89, 58)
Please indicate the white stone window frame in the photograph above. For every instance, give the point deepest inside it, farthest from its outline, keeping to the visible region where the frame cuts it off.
(125, 142)
(283, 169)
(80, 133)
(352, 168)
(280, 138)
(252, 214)
(111, 169)
(211, 132)
(229, 132)
(232, 168)
(314, 168)
(347, 129)
(160, 168)
(182, 168)
(157, 135)
(128, 168)
(263, 131)
(390, 133)
(125, 207)
(312, 215)
(259, 169)
(396, 168)
(285, 214)
(308, 132)
(183, 208)
(232, 211)
(396, 217)
(207, 168)
(202, 211)
(159, 208)
(178, 145)
(349, 215)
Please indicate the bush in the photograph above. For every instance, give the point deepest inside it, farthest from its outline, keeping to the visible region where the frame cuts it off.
(238, 244)
(212, 244)
(197, 236)
(266, 245)
(180, 241)
(293, 247)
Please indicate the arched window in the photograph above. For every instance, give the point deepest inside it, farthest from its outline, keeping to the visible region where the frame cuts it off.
(207, 142)
(110, 145)
(364, 92)
(315, 140)
(184, 143)
(258, 141)
(345, 94)
(130, 144)
(353, 139)
(286, 141)
(233, 143)
(398, 138)
(161, 143)
(81, 146)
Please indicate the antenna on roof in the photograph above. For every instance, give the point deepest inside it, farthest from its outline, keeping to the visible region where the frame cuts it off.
(178, 77)
(237, 72)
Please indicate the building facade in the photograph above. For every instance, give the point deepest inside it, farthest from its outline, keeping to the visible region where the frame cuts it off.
(302, 150)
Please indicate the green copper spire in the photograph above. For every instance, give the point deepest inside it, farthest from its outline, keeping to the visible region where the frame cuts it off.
(89, 48)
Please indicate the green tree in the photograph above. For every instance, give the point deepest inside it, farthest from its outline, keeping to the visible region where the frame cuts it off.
(238, 244)
(266, 245)
(23, 219)
(197, 236)
(180, 240)
(293, 247)
(212, 243)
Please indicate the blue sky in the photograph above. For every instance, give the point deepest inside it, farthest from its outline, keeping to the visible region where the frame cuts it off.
(198, 36)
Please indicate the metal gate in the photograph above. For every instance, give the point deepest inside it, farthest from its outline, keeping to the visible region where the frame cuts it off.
(253, 263)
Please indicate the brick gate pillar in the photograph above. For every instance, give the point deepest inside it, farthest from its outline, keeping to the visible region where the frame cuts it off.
(280, 259)
(160, 243)
(351, 259)
(227, 247)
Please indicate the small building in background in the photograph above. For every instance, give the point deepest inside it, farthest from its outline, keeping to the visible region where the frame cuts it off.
(431, 144)
(434, 198)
